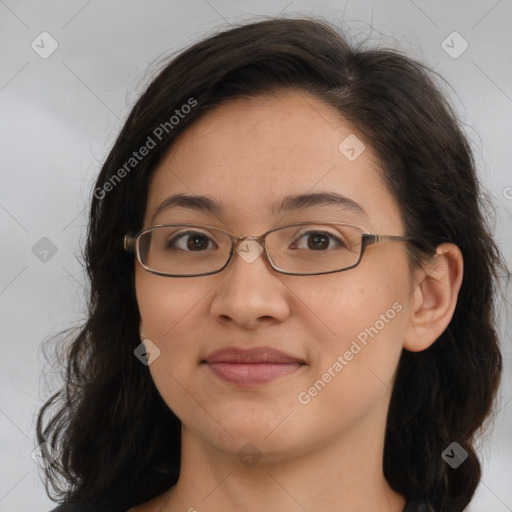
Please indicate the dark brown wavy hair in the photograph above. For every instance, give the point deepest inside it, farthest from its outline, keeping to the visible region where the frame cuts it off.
(108, 423)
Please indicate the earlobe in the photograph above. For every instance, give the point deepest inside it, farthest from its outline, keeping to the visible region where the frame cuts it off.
(141, 331)
(434, 298)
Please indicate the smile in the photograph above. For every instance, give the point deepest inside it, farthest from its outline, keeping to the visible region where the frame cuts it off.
(251, 367)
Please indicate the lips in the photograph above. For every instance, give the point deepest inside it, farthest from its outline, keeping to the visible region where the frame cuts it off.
(257, 355)
(250, 367)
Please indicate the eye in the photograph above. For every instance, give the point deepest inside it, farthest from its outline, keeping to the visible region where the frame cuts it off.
(193, 241)
(318, 241)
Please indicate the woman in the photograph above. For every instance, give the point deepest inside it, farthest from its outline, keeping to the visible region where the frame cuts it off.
(292, 290)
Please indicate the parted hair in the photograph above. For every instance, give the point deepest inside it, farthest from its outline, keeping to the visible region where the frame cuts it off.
(108, 423)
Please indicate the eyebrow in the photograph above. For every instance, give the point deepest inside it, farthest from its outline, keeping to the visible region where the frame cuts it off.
(287, 204)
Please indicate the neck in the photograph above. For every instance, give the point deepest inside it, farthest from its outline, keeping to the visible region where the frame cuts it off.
(341, 476)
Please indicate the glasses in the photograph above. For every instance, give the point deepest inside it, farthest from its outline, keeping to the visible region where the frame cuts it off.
(301, 249)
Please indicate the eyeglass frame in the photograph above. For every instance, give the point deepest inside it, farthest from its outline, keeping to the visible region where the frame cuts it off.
(131, 245)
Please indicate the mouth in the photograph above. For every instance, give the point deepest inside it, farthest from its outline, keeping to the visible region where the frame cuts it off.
(251, 367)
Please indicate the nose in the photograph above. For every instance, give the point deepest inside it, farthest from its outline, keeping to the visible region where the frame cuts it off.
(251, 293)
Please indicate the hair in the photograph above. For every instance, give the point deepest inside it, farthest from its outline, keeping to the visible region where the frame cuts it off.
(108, 423)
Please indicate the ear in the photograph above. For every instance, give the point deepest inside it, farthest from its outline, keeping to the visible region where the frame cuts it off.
(141, 331)
(434, 298)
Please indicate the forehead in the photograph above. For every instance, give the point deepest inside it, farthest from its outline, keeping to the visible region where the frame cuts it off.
(250, 153)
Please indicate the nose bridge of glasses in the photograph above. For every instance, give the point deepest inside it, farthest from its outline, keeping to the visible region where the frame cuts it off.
(237, 240)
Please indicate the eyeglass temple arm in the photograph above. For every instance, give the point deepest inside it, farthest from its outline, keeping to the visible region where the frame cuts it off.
(375, 239)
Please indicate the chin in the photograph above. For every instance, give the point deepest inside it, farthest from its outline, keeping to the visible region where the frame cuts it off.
(263, 429)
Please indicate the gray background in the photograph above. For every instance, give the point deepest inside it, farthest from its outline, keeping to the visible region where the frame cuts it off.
(60, 115)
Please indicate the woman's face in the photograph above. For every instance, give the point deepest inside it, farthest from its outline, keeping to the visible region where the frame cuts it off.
(346, 328)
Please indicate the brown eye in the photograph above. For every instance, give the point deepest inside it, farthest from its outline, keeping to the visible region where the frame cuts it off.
(190, 241)
(317, 241)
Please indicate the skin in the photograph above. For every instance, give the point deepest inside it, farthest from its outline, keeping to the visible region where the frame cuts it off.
(327, 454)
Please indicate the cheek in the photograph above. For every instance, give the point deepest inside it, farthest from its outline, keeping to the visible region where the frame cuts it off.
(163, 302)
(363, 317)
(357, 356)
(171, 316)
(352, 302)
(170, 312)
